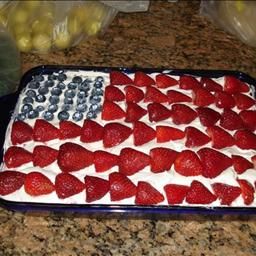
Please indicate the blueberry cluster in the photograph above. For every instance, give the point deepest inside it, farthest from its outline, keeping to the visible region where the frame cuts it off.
(54, 95)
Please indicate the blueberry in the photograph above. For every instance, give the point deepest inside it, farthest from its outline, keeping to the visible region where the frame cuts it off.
(43, 90)
(31, 93)
(68, 100)
(66, 107)
(80, 101)
(21, 117)
(52, 108)
(61, 86)
(72, 85)
(70, 93)
(54, 99)
(27, 100)
(38, 78)
(63, 115)
(99, 79)
(26, 108)
(40, 98)
(81, 107)
(82, 94)
(48, 115)
(62, 77)
(95, 108)
(40, 108)
(98, 84)
(33, 85)
(77, 79)
(33, 114)
(91, 115)
(56, 91)
(52, 77)
(77, 116)
(49, 83)
(97, 91)
(95, 99)
(84, 87)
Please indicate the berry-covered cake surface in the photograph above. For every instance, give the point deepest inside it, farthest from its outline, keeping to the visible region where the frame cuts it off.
(131, 138)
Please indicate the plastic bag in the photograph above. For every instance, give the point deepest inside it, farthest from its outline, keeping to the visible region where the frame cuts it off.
(236, 17)
(128, 6)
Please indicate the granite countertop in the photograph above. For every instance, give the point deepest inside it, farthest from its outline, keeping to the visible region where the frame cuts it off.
(171, 35)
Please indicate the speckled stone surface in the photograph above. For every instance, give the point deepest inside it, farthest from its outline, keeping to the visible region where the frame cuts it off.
(171, 35)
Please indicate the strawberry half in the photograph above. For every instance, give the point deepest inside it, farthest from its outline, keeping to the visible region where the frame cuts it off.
(154, 95)
(111, 111)
(132, 161)
(119, 78)
(37, 184)
(241, 164)
(234, 85)
(147, 194)
(141, 79)
(210, 85)
(10, 181)
(67, 185)
(43, 155)
(69, 130)
(253, 158)
(245, 139)
(17, 156)
(134, 112)
(96, 188)
(44, 131)
(220, 138)
(243, 101)
(21, 132)
(165, 81)
(157, 112)
(195, 138)
(175, 194)
(202, 98)
(249, 119)
(189, 83)
(208, 116)
(230, 120)
(133, 94)
(247, 191)
(175, 96)
(199, 194)
(209, 157)
(182, 114)
(112, 93)
(162, 159)
(142, 133)
(224, 100)
(114, 134)
(91, 131)
(120, 187)
(73, 157)
(167, 133)
(226, 193)
(104, 161)
(187, 163)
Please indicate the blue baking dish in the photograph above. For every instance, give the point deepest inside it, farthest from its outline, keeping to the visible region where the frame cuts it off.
(8, 102)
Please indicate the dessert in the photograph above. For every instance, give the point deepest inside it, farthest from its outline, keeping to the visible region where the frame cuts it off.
(88, 137)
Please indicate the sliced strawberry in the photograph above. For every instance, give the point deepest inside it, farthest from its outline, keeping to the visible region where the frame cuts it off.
(175, 194)
(224, 100)
(114, 134)
(210, 85)
(199, 194)
(91, 131)
(175, 96)
(249, 118)
(112, 93)
(247, 191)
(111, 111)
(147, 194)
(121, 187)
(69, 130)
(96, 188)
(245, 139)
(44, 131)
(243, 101)
(43, 155)
(208, 116)
(17, 156)
(67, 185)
(157, 112)
(162, 159)
(165, 81)
(119, 78)
(202, 98)
(142, 133)
(73, 157)
(195, 138)
(132, 161)
(10, 181)
(103, 160)
(253, 158)
(21, 132)
(214, 162)
(154, 95)
(230, 120)
(187, 163)
(182, 114)
(142, 79)
(189, 83)
(234, 85)
(133, 94)
(167, 133)
(134, 112)
(37, 184)
(220, 138)
(241, 164)
(226, 193)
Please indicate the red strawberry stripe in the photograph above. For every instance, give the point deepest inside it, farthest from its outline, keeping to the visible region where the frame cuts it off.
(119, 78)
(154, 95)
(21, 132)
(69, 130)
(141, 79)
(112, 93)
(165, 81)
